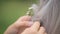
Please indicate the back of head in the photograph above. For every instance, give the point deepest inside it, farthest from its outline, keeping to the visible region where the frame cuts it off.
(51, 20)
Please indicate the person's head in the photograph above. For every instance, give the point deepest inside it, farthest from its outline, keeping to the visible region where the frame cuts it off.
(51, 18)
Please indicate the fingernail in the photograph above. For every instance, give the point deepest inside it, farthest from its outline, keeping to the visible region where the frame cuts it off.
(30, 23)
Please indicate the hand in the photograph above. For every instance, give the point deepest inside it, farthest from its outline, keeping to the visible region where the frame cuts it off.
(35, 29)
(24, 26)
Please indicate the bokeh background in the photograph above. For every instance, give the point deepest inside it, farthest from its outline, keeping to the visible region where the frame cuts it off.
(11, 10)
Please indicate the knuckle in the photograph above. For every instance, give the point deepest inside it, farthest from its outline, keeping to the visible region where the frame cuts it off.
(33, 31)
(30, 30)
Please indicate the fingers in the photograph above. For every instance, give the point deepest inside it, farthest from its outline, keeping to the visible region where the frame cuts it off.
(35, 29)
(35, 26)
(25, 18)
(42, 30)
(22, 24)
(23, 21)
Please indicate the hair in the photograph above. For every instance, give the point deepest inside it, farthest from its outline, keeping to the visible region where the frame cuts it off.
(51, 15)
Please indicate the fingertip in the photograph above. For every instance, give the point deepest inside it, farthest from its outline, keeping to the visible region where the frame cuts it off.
(30, 23)
(37, 22)
(42, 29)
(35, 26)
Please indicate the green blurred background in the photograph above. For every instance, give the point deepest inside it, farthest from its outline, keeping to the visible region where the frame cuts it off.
(11, 10)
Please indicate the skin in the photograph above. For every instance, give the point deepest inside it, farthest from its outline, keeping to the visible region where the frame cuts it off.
(24, 26)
